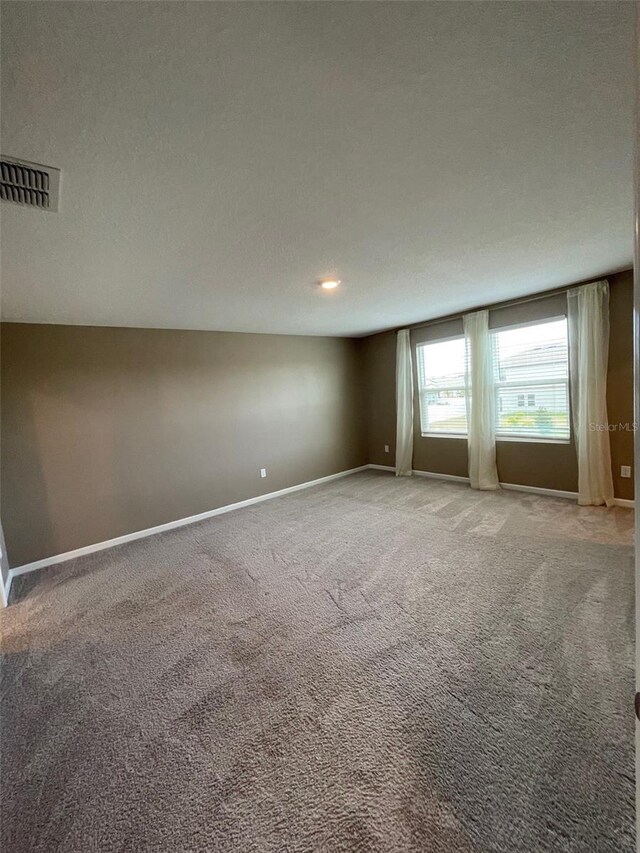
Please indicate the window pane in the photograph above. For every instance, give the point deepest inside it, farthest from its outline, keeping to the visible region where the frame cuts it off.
(531, 370)
(441, 381)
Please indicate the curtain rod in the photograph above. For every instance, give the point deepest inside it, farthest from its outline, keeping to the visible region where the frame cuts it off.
(535, 297)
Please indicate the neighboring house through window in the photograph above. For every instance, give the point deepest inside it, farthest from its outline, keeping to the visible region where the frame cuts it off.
(442, 387)
(531, 376)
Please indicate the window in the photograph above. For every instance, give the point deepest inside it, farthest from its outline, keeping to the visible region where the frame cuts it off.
(442, 387)
(531, 374)
(531, 401)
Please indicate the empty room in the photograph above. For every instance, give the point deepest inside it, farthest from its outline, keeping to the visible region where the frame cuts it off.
(317, 427)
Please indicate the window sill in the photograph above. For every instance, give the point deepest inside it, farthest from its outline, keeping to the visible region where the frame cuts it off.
(519, 439)
(444, 435)
(523, 439)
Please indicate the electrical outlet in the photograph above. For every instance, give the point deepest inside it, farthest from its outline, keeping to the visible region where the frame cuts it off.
(625, 470)
(386, 448)
(263, 472)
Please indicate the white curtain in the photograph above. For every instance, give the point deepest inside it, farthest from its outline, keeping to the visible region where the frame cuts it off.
(404, 405)
(480, 399)
(588, 310)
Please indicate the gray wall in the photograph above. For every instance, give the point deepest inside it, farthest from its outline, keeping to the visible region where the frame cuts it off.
(106, 431)
(551, 466)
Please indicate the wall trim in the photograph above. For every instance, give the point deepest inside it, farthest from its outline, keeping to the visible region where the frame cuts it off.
(629, 504)
(162, 528)
(514, 487)
(539, 490)
(192, 519)
(4, 564)
(434, 475)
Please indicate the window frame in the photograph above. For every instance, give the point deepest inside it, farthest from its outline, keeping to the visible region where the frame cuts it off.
(502, 436)
(422, 391)
(515, 386)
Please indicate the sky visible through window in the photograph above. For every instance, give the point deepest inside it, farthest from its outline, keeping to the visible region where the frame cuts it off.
(444, 359)
(447, 357)
(523, 338)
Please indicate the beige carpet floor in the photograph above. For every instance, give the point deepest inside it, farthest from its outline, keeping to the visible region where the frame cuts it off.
(374, 665)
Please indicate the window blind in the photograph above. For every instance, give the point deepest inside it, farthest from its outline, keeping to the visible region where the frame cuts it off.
(531, 376)
(441, 369)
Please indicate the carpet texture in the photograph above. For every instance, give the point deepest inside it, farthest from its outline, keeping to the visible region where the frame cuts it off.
(374, 665)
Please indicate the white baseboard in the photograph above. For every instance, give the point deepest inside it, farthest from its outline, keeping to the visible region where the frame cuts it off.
(535, 490)
(538, 490)
(453, 478)
(515, 487)
(182, 522)
(161, 528)
(624, 502)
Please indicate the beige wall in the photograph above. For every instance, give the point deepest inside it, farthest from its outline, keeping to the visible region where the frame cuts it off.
(106, 431)
(551, 466)
(620, 378)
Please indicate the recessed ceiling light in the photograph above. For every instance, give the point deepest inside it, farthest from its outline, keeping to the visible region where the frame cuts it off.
(330, 284)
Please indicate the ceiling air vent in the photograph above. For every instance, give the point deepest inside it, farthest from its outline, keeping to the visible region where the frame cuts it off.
(29, 184)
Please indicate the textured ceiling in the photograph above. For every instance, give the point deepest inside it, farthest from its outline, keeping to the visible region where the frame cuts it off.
(219, 158)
